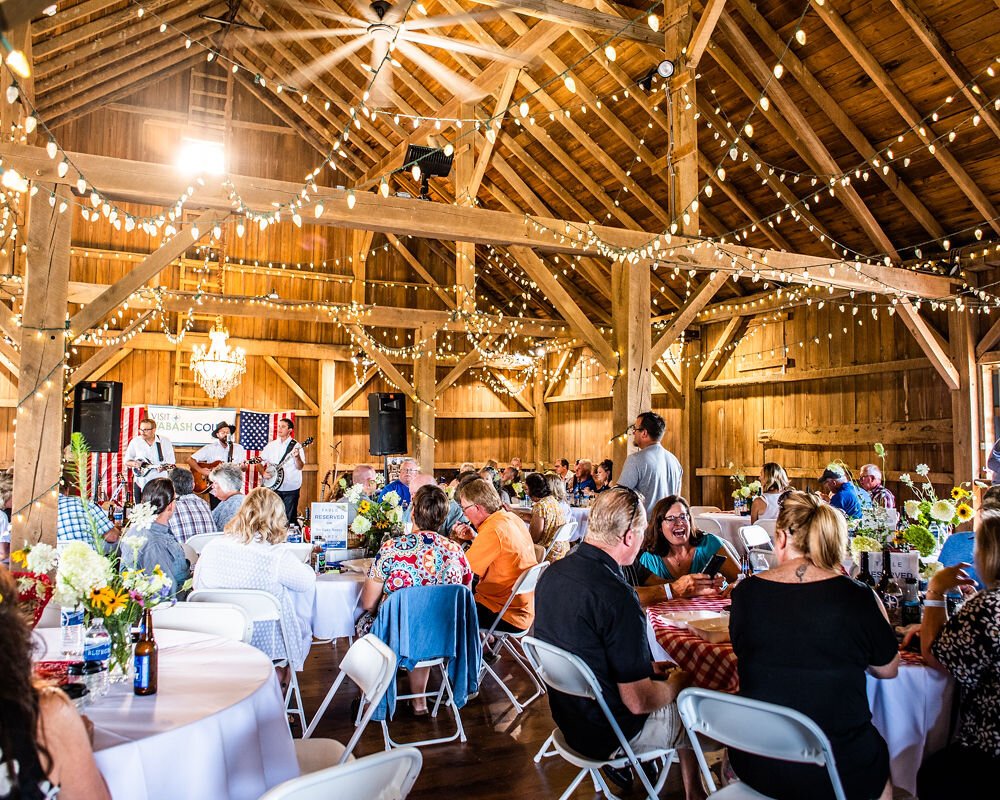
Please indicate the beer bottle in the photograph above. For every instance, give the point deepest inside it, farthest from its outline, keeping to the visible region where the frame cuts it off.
(865, 576)
(145, 658)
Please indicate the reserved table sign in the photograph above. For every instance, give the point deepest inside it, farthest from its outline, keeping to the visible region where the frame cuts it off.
(329, 523)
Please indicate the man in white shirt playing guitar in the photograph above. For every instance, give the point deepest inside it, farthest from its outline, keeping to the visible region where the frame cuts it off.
(284, 454)
(149, 456)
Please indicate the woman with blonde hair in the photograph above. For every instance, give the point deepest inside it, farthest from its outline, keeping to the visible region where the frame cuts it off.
(805, 635)
(773, 482)
(248, 557)
(967, 647)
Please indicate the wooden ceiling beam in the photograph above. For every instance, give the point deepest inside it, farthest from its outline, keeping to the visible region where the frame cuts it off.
(570, 200)
(158, 184)
(703, 31)
(880, 76)
(489, 142)
(109, 355)
(470, 359)
(530, 45)
(820, 158)
(946, 57)
(744, 205)
(636, 30)
(931, 342)
(68, 17)
(417, 267)
(687, 313)
(386, 367)
(836, 113)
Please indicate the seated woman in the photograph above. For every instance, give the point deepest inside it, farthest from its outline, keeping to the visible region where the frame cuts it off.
(161, 548)
(547, 517)
(246, 558)
(805, 634)
(420, 558)
(602, 477)
(773, 483)
(45, 749)
(967, 647)
(676, 552)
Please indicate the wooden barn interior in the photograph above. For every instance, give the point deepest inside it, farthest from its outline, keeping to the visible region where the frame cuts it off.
(773, 222)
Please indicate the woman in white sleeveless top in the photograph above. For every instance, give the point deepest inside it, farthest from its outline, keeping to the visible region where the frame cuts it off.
(773, 482)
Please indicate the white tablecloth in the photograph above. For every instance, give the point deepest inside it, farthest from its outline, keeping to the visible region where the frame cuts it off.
(580, 515)
(729, 524)
(216, 729)
(913, 713)
(335, 605)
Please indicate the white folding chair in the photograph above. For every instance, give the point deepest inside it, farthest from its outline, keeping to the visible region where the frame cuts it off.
(371, 664)
(193, 546)
(755, 536)
(302, 550)
(768, 525)
(708, 525)
(261, 607)
(570, 674)
(227, 620)
(383, 776)
(763, 729)
(697, 510)
(730, 549)
(525, 584)
(564, 533)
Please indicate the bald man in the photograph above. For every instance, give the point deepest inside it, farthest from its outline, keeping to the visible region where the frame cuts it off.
(455, 514)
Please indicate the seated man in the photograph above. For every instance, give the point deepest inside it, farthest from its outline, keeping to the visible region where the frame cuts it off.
(847, 498)
(227, 483)
(586, 607)
(870, 479)
(501, 551)
(191, 514)
(78, 519)
(408, 470)
(363, 476)
(454, 515)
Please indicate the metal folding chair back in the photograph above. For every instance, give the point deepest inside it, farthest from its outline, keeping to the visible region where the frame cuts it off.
(563, 534)
(755, 536)
(764, 729)
(383, 776)
(228, 620)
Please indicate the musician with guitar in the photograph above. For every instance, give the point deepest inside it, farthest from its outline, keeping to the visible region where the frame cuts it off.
(224, 450)
(149, 456)
(283, 462)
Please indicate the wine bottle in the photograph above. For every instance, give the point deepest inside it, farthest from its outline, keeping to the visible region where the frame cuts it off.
(889, 591)
(146, 658)
(865, 576)
(910, 614)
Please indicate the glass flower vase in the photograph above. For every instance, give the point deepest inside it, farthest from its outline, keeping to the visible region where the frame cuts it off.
(120, 662)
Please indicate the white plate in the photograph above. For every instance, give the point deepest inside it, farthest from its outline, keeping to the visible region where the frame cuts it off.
(361, 565)
(715, 629)
(680, 619)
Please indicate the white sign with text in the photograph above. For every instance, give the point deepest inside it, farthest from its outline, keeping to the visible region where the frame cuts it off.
(329, 523)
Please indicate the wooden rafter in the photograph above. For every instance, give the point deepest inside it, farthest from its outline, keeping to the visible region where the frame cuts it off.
(744, 205)
(292, 384)
(387, 368)
(687, 313)
(353, 391)
(931, 342)
(703, 32)
(417, 267)
(719, 354)
(503, 100)
(835, 112)
(470, 359)
(880, 76)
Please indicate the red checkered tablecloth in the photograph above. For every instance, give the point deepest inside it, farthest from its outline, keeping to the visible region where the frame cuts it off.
(712, 666)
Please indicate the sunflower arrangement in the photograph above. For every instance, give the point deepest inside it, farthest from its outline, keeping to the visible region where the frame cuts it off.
(376, 519)
(928, 513)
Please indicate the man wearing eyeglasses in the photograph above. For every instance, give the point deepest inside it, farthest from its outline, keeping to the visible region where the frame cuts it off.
(408, 470)
(586, 607)
(149, 448)
(653, 471)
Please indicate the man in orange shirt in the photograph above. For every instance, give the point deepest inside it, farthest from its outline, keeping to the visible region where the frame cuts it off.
(501, 551)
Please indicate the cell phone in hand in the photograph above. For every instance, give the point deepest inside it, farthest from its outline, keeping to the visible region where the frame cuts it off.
(714, 565)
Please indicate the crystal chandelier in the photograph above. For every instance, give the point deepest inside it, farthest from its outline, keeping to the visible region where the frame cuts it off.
(219, 370)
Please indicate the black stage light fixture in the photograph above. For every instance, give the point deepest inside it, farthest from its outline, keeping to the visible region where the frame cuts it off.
(433, 163)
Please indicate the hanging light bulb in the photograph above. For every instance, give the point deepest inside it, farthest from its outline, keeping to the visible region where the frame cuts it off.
(52, 148)
(30, 123)
(610, 53)
(523, 108)
(654, 22)
(570, 83)
(748, 129)
(765, 104)
(415, 172)
(449, 149)
(779, 70)
(62, 169)
(384, 187)
(351, 199)
(800, 36)
(319, 210)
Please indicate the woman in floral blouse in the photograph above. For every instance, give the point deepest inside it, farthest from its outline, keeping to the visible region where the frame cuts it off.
(967, 647)
(420, 558)
(547, 516)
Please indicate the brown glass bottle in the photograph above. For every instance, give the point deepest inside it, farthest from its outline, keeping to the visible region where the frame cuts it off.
(146, 658)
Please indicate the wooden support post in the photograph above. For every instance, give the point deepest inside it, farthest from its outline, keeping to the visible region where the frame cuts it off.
(325, 424)
(465, 252)
(541, 426)
(683, 108)
(424, 406)
(361, 242)
(965, 401)
(690, 440)
(633, 383)
(38, 440)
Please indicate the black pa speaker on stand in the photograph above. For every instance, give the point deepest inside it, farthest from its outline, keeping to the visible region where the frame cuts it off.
(97, 414)
(386, 423)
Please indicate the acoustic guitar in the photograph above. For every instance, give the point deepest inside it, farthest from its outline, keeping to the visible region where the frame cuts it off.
(201, 483)
(274, 475)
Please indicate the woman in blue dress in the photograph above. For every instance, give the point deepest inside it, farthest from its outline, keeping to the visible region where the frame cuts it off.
(677, 552)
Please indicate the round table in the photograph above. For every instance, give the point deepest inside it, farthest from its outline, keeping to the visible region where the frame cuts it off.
(581, 515)
(216, 729)
(912, 711)
(335, 604)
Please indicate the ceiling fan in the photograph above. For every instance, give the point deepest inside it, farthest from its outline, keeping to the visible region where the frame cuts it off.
(391, 36)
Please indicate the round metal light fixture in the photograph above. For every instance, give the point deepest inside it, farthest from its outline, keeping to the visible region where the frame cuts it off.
(665, 68)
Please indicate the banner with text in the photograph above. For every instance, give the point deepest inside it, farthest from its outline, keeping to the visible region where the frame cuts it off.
(189, 427)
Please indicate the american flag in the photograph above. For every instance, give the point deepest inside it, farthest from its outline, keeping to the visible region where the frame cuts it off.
(106, 467)
(256, 430)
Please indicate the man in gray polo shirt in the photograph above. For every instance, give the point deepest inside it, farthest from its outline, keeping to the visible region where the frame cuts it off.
(653, 471)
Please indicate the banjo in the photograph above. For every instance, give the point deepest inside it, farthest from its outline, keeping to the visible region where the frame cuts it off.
(274, 474)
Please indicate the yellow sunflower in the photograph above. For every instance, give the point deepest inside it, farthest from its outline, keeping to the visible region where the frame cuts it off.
(964, 511)
(958, 493)
(19, 557)
(115, 601)
(102, 597)
(363, 507)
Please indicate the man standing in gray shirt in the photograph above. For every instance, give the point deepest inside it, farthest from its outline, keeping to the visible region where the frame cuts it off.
(653, 471)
